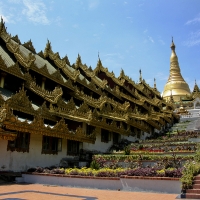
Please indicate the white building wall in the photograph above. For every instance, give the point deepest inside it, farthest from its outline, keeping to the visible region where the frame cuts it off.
(19, 161)
(98, 145)
(104, 146)
(129, 138)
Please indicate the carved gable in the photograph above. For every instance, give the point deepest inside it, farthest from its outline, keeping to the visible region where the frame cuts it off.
(20, 101)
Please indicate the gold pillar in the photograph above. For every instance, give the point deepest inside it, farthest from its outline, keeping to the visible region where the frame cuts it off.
(84, 127)
(2, 81)
(43, 83)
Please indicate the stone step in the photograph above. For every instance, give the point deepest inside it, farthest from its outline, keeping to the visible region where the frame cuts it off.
(192, 196)
(196, 181)
(196, 186)
(196, 191)
(197, 177)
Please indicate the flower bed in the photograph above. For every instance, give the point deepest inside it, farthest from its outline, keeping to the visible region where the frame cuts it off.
(137, 157)
(152, 152)
(107, 172)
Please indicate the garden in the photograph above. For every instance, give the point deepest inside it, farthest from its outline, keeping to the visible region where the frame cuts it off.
(171, 155)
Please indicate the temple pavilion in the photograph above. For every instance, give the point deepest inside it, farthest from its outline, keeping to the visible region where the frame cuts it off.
(52, 109)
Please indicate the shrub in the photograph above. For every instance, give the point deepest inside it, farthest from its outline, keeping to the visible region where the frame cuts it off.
(190, 170)
(94, 165)
(127, 150)
(197, 155)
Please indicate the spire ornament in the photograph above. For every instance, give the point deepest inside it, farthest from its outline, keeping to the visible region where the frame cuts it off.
(140, 71)
(155, 88)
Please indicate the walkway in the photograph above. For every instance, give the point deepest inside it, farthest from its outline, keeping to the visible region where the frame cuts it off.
(47, 192)
(194, 125)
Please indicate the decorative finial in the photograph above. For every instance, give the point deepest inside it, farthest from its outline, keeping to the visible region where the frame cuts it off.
(2, 24)
(155, 83)
(98, 54)
(140, 71)
(172, 45)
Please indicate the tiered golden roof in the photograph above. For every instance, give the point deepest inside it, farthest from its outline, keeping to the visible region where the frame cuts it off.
(75, 93)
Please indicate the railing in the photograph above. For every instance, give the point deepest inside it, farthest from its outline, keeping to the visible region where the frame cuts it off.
(191, 115)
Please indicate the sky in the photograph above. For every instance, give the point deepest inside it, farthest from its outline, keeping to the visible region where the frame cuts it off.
(125, 34)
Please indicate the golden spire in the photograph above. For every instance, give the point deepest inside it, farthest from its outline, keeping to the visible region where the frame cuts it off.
(175, 81)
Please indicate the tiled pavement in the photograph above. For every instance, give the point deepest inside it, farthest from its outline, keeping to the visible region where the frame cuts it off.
(47, 192)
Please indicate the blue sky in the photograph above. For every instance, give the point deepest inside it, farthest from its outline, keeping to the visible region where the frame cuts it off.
(128, 34)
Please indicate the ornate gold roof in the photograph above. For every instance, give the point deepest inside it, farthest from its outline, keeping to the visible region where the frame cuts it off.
(37, 126)
(119, 109)
(176, 85)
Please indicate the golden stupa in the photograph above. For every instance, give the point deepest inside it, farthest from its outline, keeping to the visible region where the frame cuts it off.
(176, 85)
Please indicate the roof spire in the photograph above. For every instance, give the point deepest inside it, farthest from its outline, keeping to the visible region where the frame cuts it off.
(140, 71)
(173, 45)
(155, 84)
(2, 24)
(47, 48)
(196, 88)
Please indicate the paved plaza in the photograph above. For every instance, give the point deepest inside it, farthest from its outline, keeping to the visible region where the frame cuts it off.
(47, 192)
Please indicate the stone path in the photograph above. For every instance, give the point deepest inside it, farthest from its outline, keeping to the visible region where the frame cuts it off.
(47, 192)
(193, 125)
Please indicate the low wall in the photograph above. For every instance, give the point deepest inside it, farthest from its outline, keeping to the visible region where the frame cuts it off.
(151, 184)
(126, 183)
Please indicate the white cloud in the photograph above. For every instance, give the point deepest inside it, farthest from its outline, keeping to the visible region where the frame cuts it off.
(58, 20)
(191, 82)
(160, 76)
(194, 39)
(75, 26)
(96, 36)
(150, 39)
(15, 1)
(145, 31)
(35, 11)
(193, 21)
(5, 18)
(5, 14)
(149, 81)
(161, 42)
(92, 4)
(117, 55)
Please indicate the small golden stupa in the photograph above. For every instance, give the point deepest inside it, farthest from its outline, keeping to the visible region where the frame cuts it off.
(176, 85)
